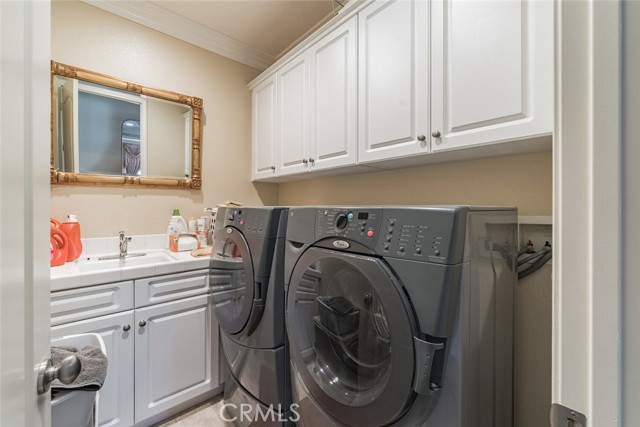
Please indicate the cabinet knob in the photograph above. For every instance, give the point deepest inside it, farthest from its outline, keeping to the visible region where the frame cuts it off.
(421, 138)
(305, 161)
(126, 328)
(273, 168)
(436, 134)
(312, 160)
(142, 323)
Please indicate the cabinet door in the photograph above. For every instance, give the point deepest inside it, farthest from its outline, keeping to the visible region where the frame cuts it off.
(334, 118)
(293, 115)
(393, 79)
(115, 398)
(492, 77)
(173, 361)
(264, 129)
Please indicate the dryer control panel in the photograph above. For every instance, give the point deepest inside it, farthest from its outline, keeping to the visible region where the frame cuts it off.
(251, 221)
(417, 233)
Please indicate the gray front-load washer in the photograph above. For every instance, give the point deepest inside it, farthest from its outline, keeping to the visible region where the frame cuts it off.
(246, 273)
(401, 316)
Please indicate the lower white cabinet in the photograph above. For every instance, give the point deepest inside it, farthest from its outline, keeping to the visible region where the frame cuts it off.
(161, 356)
(173, 362)
(115, 406)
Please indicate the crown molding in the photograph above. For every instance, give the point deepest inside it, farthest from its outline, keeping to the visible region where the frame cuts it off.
(158, 18)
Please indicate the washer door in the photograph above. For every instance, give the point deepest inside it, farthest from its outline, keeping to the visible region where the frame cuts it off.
(231, 276)
(351, 335)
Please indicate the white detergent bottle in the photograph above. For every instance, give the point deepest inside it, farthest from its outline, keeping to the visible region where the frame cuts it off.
(176, 223)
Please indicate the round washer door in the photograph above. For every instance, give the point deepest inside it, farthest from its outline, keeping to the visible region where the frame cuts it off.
(351, 336)
(231, 275)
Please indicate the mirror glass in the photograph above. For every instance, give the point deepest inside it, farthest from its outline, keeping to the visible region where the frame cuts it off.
(106, 134)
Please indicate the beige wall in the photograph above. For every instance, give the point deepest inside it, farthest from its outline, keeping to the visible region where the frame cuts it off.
(523, 181)
(87, 37)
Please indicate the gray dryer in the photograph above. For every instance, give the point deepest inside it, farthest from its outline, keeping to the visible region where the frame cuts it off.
(246, 273)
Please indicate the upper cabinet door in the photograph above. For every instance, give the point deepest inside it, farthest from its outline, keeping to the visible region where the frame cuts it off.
(393, 79)
(334, 68)
(293, 115)
(492, 75)
(264, 129)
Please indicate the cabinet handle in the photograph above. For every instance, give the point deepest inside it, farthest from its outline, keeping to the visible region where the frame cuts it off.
(273, 168)
(142, 323)
(126, 328)
(436, 134)
(312, 160)
(305, 161)
(422, 138)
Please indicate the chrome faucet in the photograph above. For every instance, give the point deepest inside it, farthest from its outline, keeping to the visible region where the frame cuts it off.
(124, 242)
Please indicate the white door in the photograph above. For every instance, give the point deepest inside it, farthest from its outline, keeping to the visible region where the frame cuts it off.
(393, 46)
(334, 68)
(115, 404)
(595, 352)
(492, 71)
(173, 354)
(264, 129)
(24, 209)
(293, 116)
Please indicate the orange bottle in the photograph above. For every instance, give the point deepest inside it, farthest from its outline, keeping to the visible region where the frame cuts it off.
(71, 227)
(59, 246)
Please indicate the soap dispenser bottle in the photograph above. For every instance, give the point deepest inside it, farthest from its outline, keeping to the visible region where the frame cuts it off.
(177, 225)
(71, 227)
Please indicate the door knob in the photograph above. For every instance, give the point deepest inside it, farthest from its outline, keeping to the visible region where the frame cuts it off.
(305, 161)
(421, 138)
(273, 168)
(126, 327)
(312, 160)
(436, 134)
(67, 372)
(142, 323)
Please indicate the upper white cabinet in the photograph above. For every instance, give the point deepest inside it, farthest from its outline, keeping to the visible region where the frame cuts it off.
(492, 71)
(264, 129)
(433, 78)
(334, 67)
(317, 105)
(293, 116)
(394, 79)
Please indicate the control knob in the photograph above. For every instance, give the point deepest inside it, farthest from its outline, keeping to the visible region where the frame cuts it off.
(341, 221)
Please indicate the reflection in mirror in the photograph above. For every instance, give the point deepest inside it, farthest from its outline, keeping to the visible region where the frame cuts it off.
(121, 134)
(130, 137)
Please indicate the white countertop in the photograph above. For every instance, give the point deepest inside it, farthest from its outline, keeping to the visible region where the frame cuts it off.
(72, 274)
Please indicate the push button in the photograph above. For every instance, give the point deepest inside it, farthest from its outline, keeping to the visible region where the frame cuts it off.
(370, 233)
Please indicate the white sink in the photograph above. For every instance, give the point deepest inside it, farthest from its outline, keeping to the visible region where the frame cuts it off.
(134, 260)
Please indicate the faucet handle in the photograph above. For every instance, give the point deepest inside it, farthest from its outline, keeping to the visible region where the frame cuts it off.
(121, 233)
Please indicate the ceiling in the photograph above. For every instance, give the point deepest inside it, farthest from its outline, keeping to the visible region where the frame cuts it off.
(254, 32)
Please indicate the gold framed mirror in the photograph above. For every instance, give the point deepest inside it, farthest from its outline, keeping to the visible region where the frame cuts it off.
(110, 132)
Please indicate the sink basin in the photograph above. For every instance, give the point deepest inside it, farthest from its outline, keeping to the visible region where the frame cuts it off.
(134, 260)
